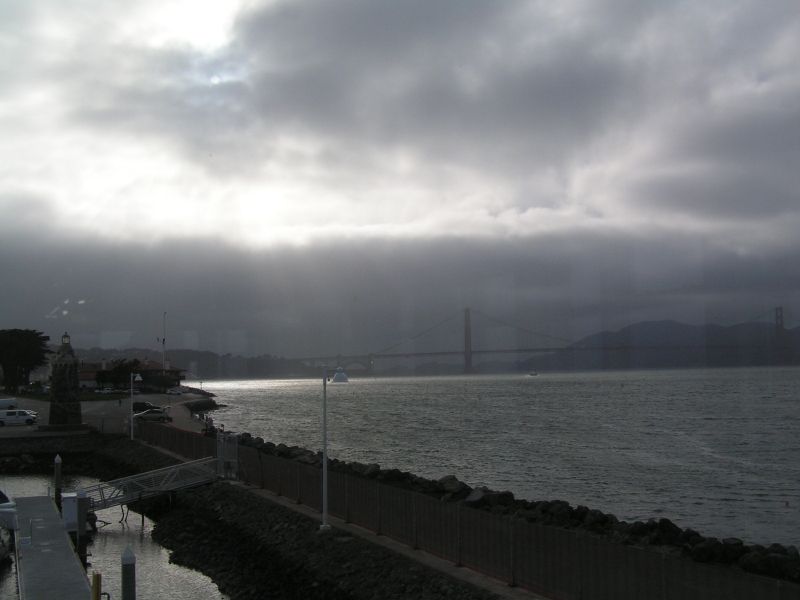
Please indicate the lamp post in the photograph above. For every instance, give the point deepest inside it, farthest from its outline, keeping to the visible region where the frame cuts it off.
(325, 526)
(134, 377)
(339, 377)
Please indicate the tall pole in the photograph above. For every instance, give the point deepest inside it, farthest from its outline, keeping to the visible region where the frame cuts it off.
(324, 526)
(164, 346)
(134, 377)
(57, 480)
(467, 342)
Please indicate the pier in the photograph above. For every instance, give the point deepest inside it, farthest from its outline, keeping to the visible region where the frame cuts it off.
(47, 565)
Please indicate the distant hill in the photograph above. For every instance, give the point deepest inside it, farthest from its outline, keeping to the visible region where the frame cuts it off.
(665, 344)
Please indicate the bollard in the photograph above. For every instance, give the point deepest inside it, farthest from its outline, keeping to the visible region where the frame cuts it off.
(97, 585)
(128, 574)
(57, 480)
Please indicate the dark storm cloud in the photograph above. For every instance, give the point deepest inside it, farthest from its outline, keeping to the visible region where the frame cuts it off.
(479, 85)
(359, 297)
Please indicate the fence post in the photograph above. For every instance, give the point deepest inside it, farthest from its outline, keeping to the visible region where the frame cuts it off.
(458, 535)
(378, 503)
(346, 498)
(414, 524)
(297, 476)
(512, 580)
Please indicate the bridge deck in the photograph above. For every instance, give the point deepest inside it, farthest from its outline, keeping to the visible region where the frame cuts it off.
(47, 565)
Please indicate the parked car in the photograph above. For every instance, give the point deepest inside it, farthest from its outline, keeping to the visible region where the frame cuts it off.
(153, 414)
(174, 392)
(18, 417)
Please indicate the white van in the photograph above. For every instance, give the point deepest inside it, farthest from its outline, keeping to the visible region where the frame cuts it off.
(18, 417)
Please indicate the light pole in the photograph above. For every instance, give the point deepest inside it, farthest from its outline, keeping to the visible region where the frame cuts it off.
(340, 377)
(134, 377)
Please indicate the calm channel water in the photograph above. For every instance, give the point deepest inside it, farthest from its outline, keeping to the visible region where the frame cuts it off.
(156, 577)
(717, 450)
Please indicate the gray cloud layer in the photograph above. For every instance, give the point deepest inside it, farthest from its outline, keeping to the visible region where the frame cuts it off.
(357, 297)
(569, 166)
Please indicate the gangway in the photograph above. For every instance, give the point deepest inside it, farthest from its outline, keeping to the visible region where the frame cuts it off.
(145, 485)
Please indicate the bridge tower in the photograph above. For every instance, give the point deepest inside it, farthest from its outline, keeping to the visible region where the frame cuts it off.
(783, 344)
(467, 342)
(779, 328)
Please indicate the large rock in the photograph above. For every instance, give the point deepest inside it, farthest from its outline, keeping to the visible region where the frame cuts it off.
(665, 533)
(450, 484)
(732, 550)
(476, 497)
(709, 550)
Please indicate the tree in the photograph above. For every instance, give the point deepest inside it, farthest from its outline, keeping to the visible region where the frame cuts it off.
(119, 373)
(21, 351)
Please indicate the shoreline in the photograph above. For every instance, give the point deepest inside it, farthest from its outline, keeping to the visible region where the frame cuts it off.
(250, 546)
(775, 560)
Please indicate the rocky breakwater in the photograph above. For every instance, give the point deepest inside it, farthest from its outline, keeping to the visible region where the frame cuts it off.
(254, 548)
(775, 560)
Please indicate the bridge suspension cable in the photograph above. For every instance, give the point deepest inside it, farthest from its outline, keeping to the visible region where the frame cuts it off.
(764, 315)
(414, 337)
(518, 327)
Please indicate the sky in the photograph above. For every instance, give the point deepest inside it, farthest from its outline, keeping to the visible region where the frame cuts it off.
(303, 177)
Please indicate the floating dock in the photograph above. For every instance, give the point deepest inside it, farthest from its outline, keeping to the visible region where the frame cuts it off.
(47, 565)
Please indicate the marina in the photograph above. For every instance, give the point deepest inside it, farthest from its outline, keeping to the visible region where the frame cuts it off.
(156, 574)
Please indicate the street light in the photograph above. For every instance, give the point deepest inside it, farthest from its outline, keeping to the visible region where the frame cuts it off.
(137, 378)
(339, 377)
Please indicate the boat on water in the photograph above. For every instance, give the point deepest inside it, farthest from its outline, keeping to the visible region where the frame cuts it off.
(533, 374)
(339, 376)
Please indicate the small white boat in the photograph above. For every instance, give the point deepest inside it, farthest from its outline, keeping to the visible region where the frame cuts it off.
(339, 376)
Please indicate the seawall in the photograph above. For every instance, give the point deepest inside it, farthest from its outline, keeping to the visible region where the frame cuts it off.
(775, 560)
(251, 547)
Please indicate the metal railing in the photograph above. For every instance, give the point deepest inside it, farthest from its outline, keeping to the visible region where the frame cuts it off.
(145, 485)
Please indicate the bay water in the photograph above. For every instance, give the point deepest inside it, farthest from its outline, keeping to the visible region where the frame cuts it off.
(717, 450)
(156, 577)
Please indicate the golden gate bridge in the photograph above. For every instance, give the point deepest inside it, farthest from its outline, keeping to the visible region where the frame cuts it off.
(468, 352)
